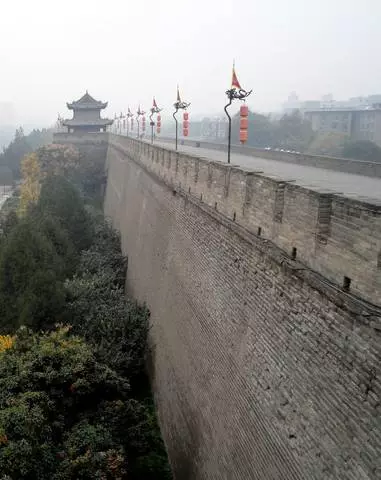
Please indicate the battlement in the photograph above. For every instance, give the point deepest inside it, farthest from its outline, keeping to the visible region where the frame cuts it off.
(336, 236)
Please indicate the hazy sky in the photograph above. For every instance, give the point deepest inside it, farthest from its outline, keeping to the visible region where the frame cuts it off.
(127, 51)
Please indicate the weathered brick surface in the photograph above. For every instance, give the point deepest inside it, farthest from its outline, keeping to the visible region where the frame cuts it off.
(262, 368)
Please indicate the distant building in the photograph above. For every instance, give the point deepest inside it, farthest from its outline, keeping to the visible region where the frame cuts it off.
(87, 115)
(214, 128)
(357, 124)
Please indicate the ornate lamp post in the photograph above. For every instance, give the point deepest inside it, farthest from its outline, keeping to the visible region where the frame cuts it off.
(129, 116)
(179, 105)
(236, 92)
(139, 113)
(153, 110)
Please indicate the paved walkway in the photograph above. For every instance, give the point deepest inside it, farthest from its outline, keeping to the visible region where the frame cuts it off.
(357, 186)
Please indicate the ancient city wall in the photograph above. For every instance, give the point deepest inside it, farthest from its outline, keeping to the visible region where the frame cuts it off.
(266, 361)
(347, 165)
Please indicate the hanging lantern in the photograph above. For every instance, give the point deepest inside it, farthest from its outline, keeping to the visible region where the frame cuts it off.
(185, 124)
(243, 136)
(159, 118)
(244, 123)
(144, 124)
(244, 110)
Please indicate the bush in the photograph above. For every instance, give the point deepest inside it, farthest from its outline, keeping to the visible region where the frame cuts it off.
(65, 415)
(60, 199)
(362, 150)
(53, 392)
(99, 309)
(31, 279)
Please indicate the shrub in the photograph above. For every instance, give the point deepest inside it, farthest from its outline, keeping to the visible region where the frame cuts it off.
(31, 279)
(51, 388)
(60, 199)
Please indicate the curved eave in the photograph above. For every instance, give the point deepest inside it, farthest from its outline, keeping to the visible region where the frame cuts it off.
(87, 106)
(99, 123)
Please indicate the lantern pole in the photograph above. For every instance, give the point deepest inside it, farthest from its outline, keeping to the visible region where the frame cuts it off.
(179, 105)
(153, 110)
(233, 94)
(128, 115)
(138, 114)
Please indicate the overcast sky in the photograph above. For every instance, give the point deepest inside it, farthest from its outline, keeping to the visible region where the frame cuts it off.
(127, 51)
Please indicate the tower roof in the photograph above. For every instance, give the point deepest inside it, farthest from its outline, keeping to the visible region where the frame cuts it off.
(86, 102)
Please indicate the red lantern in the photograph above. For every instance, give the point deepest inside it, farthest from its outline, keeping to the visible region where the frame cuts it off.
(185, 132)
(144, 124)
(243, 136)
(159, 118)
(158, 124)
(186, 116)
(244, 123)
(185, 124)
(244, 110)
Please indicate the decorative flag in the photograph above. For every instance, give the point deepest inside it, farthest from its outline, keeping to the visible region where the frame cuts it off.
(178, 95)
(235, 82)
(154, 103)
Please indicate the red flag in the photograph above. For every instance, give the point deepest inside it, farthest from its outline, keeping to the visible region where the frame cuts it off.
(235, 82)
(154, 103)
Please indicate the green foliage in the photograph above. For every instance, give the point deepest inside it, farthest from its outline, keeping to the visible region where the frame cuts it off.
(328, 143)
(73, 404)
(91, 174)
(99, 309)
(362, 150)
(31, 279)
(61, 200)
(53, 393)
(21, 145)
(55, 159)
(261, 131)
(291, 132)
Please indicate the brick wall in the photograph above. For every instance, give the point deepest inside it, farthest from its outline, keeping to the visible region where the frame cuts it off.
(338, 164)
(263, 367)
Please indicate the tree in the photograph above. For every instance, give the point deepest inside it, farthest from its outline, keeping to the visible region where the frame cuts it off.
(362, 150)
(293, 132)
(53, 429)
(261, 131)
(31, 279)
(22, 145)
(30, 189)
(61, 200)
(328, 143)
(57, 159)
